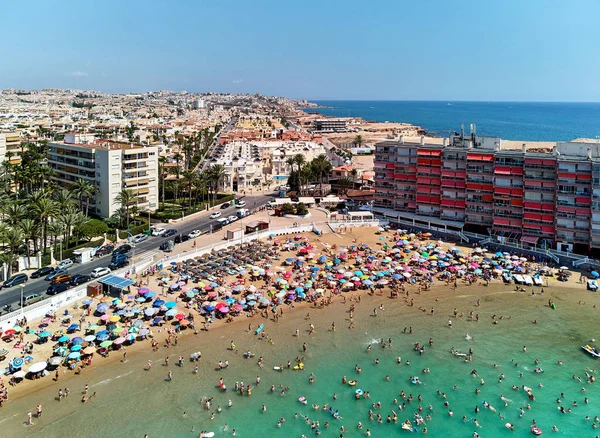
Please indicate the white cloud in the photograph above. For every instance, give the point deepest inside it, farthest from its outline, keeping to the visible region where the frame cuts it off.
(237, 81)
(78, 74)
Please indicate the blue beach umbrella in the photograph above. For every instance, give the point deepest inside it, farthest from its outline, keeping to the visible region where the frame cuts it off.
(158, 303)
(77, 341)
(150, 294)
(17, 362)
(75, 348)
(75, 355)
(44, 334)
(594, 274)
(170, 304)
(171, 312)
(63, 339)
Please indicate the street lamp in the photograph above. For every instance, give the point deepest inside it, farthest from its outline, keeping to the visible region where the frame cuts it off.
(22, 287)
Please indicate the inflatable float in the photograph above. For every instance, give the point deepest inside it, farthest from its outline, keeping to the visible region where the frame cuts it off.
(207, 434)
(303, 400)
(536, 430)
(278, 368)
(359, 391)
(352, 382)
(407, 426)
(300, 366)
(260, 329)
(248, 355)
(509, 426)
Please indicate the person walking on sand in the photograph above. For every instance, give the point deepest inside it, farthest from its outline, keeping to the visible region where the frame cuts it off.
(29, 419)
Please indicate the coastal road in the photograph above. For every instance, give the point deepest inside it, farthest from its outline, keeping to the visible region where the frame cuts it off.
(39, 285)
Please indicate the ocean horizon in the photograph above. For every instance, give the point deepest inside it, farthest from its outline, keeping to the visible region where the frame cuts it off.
(528, 121)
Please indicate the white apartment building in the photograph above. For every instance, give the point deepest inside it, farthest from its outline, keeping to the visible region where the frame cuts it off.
(111, 166)
(242, 164)
(10, 142)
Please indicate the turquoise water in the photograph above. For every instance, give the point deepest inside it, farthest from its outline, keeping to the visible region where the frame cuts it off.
(534, 121)
(132, 402)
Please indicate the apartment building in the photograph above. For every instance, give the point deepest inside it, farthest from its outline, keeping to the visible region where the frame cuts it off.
(471, 182)
(329, 125)
(110, 166)
(10, 146)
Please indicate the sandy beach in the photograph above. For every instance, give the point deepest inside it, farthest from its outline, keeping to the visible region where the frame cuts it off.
(499, 309)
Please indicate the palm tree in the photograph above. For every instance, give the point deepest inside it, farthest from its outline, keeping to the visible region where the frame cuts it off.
(83, 189)
(322, 167)
(126, 198)
(45, 208)
(67, 220)
(177, 158)
(14, 213)
(190, 179)
(217, 174)
(358, 140)
(64, 198)
(13, 238)
(161, 176)
(31, 230)
(345, 183)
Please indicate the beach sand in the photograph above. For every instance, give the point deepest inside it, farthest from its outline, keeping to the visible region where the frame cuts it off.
(127, 381)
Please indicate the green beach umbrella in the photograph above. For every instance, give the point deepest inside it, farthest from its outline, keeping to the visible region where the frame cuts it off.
(106, 344)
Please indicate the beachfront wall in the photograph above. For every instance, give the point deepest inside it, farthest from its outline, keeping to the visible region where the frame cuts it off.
(59, 301)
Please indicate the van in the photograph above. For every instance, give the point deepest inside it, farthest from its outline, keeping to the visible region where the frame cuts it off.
(242, 212)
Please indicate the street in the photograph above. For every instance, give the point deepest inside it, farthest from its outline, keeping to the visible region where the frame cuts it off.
(39, 285)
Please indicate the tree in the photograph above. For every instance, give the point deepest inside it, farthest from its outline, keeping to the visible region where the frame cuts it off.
(161, 176)
(130, 131)
(126, 198)
(83, 189)
(92, 228)
(216, 173)
(358, 140)
(322, 167)
(345, 183)
(45, 208)
(31, 231)
(288, 209)
(301, 209)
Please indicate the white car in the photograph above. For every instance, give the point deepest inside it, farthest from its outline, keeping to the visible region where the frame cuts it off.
(99, 272)
(215, 214)
(139, 238)
(65, 264)
(240, 204)
(232, 219)
(158, 232)
(194, 234)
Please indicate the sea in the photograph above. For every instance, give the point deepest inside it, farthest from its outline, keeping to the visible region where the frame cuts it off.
(533, 121)
(132, 402)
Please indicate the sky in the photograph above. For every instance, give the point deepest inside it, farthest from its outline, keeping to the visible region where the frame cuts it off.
(515, 50)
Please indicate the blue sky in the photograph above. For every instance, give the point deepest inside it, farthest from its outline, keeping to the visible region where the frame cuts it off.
(531, 50)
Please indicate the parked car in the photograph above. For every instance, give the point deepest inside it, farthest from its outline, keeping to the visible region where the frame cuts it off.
(194, 234)
(65, 264)
(30, 299)
(139, 238)
(215, 214)
(170, 232)
(61, 278)
(182, 238)
(225, 205)
(166, 246)
(232, 218)
(240, 204)
(105, 249)
(78, 279)
(15, 280)
(57, 288)
(99, 272)
(223, 221)
(123, 249)
(158, 232)
(54, 273)
(119, 257)
(118, 264)
(42, 272)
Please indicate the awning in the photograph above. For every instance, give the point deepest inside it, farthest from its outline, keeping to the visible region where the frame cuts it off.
(116, 281)
(530, 239)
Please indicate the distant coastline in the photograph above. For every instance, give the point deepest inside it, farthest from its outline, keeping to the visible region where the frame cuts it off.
(528, 121)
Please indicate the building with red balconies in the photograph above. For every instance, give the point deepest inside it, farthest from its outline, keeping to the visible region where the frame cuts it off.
(471, 183)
